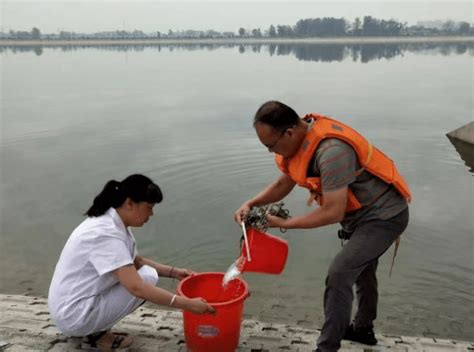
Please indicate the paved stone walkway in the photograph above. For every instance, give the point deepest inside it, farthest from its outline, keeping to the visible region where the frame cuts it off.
(25, 325)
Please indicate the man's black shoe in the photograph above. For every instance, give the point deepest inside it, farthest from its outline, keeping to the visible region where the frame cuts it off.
(363, 335)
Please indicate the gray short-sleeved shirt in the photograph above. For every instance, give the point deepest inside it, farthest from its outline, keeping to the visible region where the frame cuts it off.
(336, 163)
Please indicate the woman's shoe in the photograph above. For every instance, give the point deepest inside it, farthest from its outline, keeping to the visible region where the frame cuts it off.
(107, 341)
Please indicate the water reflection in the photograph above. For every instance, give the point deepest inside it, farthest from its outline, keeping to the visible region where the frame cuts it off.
(302, 51)
(466, 152)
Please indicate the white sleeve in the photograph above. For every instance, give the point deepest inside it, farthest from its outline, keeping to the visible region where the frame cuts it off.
(135, 251)
(109, 253)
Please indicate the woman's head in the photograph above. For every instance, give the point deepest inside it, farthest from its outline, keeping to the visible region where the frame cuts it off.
(135, 197)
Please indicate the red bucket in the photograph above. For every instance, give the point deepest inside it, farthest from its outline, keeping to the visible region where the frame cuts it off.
(219, 332)
(268, 253)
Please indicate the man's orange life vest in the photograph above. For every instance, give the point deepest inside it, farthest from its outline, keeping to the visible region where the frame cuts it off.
(370, 159)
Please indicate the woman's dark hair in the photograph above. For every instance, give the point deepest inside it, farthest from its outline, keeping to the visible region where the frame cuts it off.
(137, 187)
(277, 115)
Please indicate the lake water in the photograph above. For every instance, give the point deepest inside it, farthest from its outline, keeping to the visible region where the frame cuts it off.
(74, 117)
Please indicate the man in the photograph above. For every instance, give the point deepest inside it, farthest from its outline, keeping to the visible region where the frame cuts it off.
(355, 184)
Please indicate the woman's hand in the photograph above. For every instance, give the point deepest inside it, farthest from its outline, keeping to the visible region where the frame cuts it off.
(180, 273)
(199, 306)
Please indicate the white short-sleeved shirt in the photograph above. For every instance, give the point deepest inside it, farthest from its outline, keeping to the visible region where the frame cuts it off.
(98, 246)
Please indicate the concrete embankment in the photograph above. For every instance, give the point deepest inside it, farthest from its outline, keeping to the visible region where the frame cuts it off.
(463, 140)
(25, 325)
(464, 133)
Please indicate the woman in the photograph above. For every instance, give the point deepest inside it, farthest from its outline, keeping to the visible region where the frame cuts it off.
(99, 278)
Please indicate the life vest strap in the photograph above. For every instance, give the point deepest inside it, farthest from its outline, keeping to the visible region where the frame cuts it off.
(311, 198)
(397, 244)
(369, 153)
(359, 172)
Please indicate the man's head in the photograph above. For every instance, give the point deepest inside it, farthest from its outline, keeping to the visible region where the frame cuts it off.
(279, 128)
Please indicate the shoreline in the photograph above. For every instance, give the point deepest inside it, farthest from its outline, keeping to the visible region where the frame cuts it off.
(241, 41)
(25, 325)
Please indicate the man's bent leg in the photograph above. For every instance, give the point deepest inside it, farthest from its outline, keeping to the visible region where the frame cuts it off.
(366, 284)
(367, 296)
(338, 298)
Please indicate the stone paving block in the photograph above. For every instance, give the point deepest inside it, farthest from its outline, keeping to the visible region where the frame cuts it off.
(31, 342)
(398, 349)
(64, 343)
(172, 318)
(254, 348)
(269, 328)
(410, 339)
(437, 346)
(20, 324)
(377, 348)
(8, 299)
(388, 339)
(248, 324)
(382, 343)
(286, 348)
(50, 329)
(18, 310)
(61, 347)
(267, 342)
(298, 341)
(39, 303)
(20, 348)
(133, 325)
(305, 323)
(153, 344)
(300, 330)
(268, 318)
(40, 312)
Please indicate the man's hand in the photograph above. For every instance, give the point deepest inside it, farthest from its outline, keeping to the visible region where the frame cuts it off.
(332, 211)
(241, 213)
(275, 221)
(274, 192)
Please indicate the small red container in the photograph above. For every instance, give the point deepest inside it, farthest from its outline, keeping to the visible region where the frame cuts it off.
(219, 332)
(268, 253)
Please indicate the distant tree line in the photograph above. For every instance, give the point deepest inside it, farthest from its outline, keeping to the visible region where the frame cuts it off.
(33, 34)
(305, 28)
(367, 27)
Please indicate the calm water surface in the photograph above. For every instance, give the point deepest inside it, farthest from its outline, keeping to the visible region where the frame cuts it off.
(73, 118)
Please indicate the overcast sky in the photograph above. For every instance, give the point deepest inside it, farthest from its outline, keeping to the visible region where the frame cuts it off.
(223, 15)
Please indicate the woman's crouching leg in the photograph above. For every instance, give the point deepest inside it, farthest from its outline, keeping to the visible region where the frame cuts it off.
(117, 303)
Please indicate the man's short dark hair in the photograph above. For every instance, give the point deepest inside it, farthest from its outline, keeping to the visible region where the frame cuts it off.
(277, 115)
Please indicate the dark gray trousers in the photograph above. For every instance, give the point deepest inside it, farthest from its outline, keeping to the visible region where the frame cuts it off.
(356, 263)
